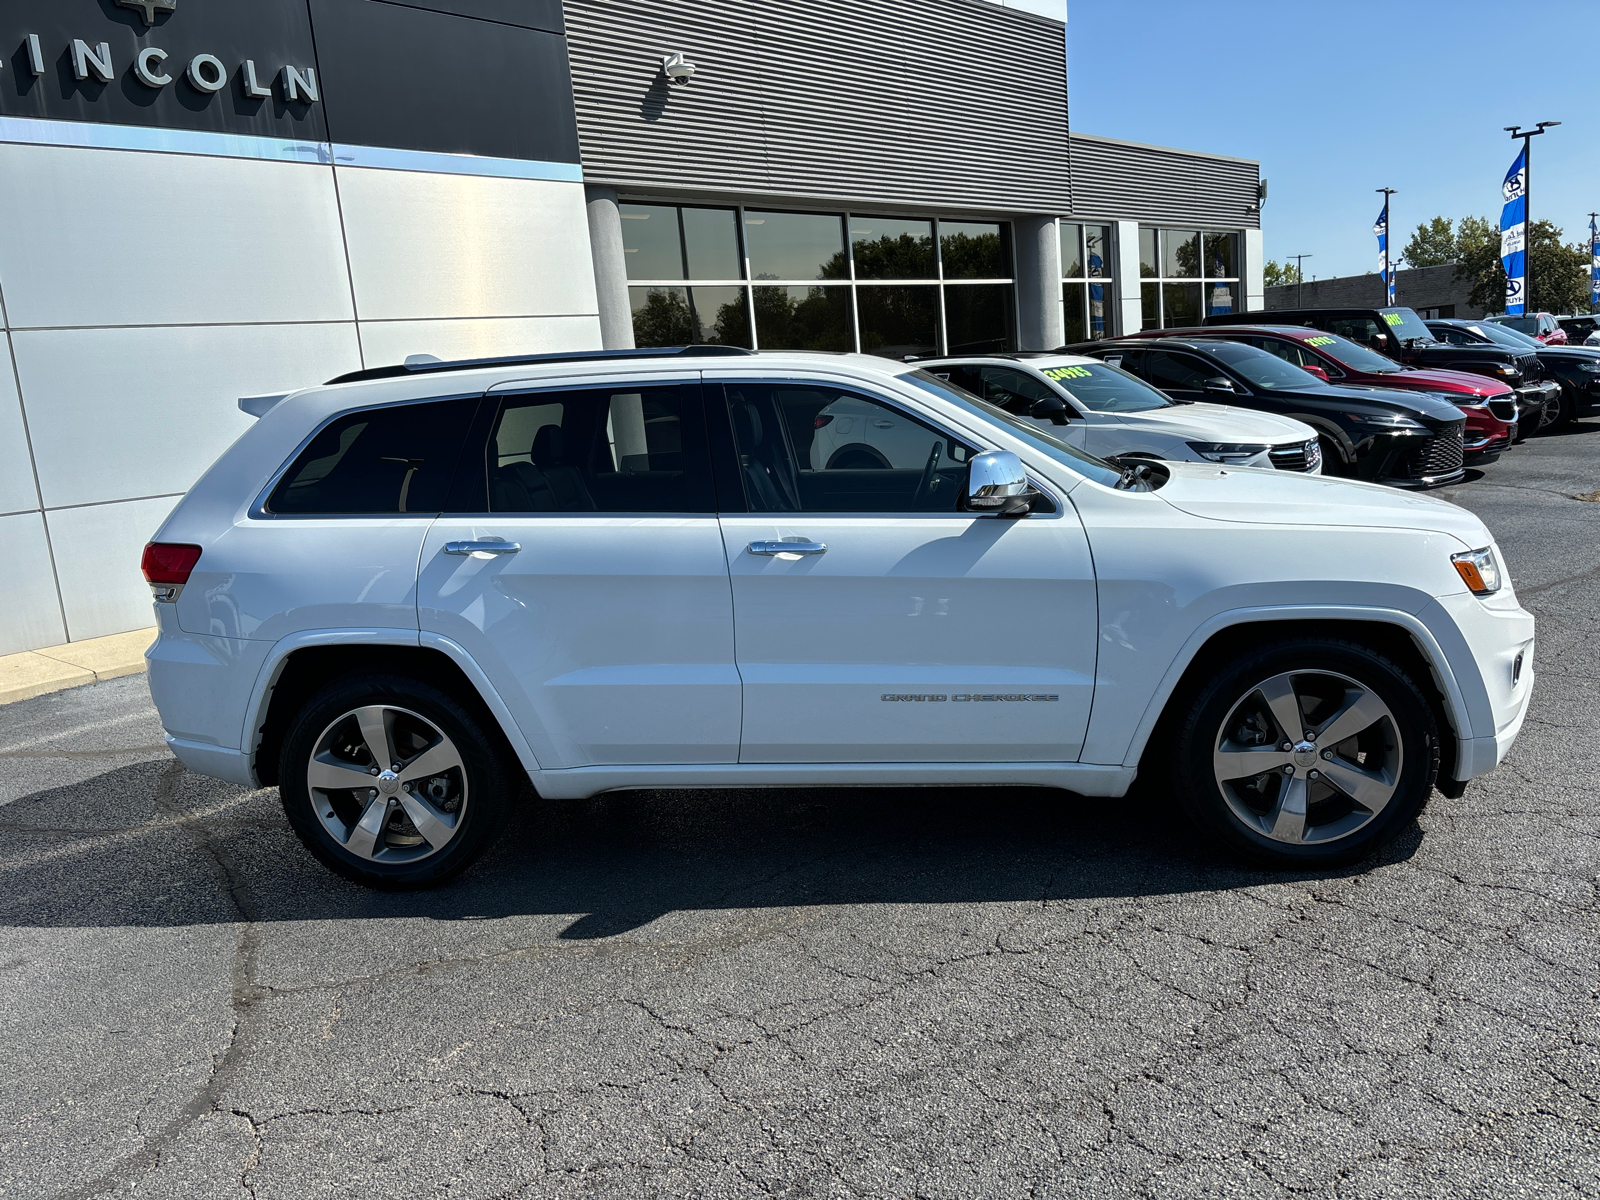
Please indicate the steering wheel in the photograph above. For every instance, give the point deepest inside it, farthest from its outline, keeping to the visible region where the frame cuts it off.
(926, 486)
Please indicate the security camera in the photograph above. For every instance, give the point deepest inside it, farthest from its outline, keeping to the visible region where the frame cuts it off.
(679, 70)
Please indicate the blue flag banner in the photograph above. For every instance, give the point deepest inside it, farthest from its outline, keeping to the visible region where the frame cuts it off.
(1594, 265)
(1514, 234)
(1382, 230)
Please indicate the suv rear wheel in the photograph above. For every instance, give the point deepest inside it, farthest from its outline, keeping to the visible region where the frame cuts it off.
(391, 782)
(1306, 753)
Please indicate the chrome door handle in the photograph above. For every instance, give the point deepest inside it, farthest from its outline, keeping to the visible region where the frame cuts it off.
(485, 547)
(788, 548)
(884, 424)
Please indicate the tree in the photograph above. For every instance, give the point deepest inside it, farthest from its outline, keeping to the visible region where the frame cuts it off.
(1432, 245)
(1276, 275)
(1560, 272)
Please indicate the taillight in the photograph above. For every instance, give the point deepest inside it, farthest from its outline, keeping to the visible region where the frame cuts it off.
(822, 419)
(166, 567)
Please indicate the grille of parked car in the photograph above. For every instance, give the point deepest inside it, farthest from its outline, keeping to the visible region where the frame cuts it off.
(1292, 458)
(1438, 455)
(1504, 407)
(1528, 364)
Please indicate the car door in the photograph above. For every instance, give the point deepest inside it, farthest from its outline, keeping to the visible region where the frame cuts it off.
(875, 621)
(1181, 376)
(586, 574)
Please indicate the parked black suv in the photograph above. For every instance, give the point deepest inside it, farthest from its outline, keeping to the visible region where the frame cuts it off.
(1405, 337)
(1405, 439)
(1575, 368)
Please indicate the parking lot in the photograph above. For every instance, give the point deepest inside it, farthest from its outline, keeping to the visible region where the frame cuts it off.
(920, 993)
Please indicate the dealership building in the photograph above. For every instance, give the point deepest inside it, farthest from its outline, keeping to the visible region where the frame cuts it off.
(210, 199)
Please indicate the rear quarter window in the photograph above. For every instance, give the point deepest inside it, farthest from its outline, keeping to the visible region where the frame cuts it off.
(380, 460)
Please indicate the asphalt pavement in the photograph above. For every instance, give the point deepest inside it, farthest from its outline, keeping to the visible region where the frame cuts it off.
(829, 993)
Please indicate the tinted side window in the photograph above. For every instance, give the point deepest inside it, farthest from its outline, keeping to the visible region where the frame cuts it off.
(382, 460)
(1364, 330)
(630, 449)
(1177, 372)
(814, 448)
(1012, 390)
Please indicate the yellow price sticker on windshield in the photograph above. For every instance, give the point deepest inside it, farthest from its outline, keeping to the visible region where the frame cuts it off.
(1322, 340)
(1068, 373)
(1392, 318)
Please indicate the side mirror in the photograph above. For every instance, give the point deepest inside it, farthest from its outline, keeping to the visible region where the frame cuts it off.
(1050, 408)
(1219, 384)
(1312, 369)
(997, 484)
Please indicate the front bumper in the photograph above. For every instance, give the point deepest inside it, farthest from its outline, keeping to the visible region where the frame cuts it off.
(1537, 403)
(1412, 458)
(1484, 641)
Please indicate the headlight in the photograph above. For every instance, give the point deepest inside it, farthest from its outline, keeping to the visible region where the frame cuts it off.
(1460, 399)
(1383, 420)
(1506, 369)
(1227, 452)
(1593, 368)
(1479, 570)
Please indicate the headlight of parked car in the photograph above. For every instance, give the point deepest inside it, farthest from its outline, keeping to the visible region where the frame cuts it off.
(1592, 368)
(1227, 452)
(1384, 420)
(1460, 399)
(1479, 570)
(1506, 369)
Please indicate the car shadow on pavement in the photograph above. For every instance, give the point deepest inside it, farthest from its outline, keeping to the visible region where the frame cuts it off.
(149, 845)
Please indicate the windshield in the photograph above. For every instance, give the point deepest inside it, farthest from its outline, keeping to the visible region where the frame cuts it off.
(1094, 468)
(1406, 325)
(1265, 370)
(1354, 355)
(1520, 324)
(1505, 336)
(1103, 388)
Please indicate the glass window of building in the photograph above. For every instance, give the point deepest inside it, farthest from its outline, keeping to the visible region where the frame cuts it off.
(1087, 291)
(889, 285)
(1199, 276)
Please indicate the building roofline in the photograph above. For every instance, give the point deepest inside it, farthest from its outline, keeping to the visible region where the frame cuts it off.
(1094, 137)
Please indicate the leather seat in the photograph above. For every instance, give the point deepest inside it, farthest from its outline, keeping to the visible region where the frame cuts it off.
(761, 462)
(549, 455)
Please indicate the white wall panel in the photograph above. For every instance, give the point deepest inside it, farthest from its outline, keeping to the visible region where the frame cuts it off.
(97, 553)
(30, 615)
(17, 491)
(118, 237)
(390, 341)
(424, 245)
(119, 413)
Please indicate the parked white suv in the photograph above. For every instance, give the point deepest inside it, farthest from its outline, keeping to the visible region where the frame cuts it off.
(399, 596)
(1113, 414)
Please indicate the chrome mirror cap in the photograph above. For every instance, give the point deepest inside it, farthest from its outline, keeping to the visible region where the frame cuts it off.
(997, 483)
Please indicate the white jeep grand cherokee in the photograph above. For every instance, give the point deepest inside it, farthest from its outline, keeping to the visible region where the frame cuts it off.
(400, 594)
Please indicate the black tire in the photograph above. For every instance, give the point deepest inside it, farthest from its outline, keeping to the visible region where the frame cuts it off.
(1226, 703)
(1564, 413)
(488, 785)
(1333, 460)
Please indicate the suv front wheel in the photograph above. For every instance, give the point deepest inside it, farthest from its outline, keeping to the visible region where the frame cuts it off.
(392, 782)
(1307, 753)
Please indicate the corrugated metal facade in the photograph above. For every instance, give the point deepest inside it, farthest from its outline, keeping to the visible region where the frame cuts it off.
(1132, 182)
(933, 104)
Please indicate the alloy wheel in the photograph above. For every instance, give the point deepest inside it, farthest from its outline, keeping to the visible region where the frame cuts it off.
(387, 784)
(1307, 757)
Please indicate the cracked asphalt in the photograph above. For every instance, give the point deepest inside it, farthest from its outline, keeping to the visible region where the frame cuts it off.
(829, 993)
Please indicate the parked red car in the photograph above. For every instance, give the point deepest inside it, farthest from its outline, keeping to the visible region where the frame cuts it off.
(1490, 407)
(1541, 327)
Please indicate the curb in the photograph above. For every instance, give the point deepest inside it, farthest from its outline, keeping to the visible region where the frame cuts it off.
(56, 668)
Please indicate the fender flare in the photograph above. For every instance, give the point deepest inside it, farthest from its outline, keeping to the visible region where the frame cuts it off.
(1456, 707)
(272, 669)
(1347, 448)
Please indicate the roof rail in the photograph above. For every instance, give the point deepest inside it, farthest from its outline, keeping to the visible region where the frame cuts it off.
(416, 364)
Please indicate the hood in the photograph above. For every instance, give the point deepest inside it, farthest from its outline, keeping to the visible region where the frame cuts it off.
(1218, 423)
(1446, 352)
(1420, 402)
(1290, 498)
(1571, 352)
(1440, 380)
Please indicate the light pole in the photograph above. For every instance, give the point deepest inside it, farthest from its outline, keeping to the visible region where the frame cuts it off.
(1388, 248)
(1527, 204)
(1300, 277)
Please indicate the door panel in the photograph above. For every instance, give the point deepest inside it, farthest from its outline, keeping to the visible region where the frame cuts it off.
(947, 607)
(907, 631)
(609, 632)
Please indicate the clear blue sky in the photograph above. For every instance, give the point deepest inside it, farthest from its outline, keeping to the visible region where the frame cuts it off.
(1336, 99)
